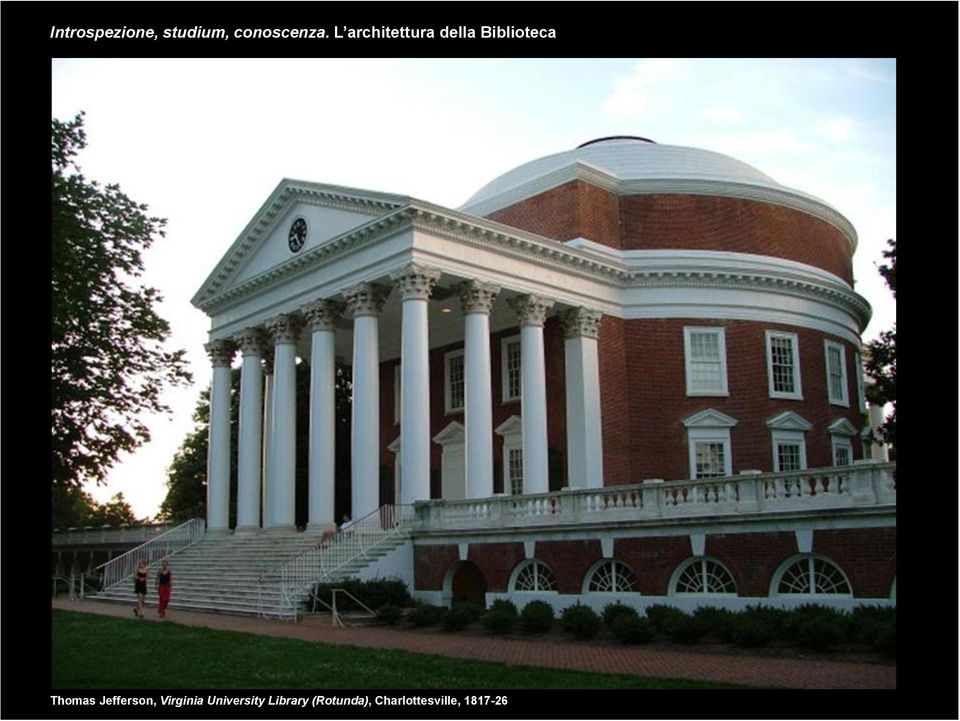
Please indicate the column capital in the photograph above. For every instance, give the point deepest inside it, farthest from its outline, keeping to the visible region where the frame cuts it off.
(284, 328)
(323, 314)
(531, 310)
(251, 341)
(220, 352)
(580, 322)
(477, 296)
(415, 281)
(366, 299)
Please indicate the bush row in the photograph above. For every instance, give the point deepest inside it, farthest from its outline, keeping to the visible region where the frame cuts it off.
(810, 626)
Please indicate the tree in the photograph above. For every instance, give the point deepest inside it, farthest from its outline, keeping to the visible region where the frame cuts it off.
(72, 506)
(108, 360)
(881, 356)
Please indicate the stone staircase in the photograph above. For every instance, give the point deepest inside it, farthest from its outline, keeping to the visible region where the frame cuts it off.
(240, 575)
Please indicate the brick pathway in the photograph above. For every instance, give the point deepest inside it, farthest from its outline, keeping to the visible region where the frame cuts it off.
(764, 672)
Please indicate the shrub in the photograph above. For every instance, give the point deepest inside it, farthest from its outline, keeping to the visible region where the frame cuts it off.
(500, 617)
(714, 621)
(580, 621)
(389, 615)
(460, 616)
(815, 627)
(756, 626)
(371, 593)
(632, 629)
(536, 617)
(613, 611)
(886, 641)
(665, 618)
(424, 614)
(866, 623)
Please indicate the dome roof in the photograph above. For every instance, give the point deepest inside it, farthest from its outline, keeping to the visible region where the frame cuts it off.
(629, 158)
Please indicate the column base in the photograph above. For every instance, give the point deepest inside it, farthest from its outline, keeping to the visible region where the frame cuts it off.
(217, 532)
(319, 528)
(281, 530)
(246, 530)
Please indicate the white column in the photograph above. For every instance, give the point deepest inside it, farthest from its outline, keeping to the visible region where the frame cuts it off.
(531, 314)
(321, 316)
(365, 302)
(251, 431)
(878, 449)
(218, 458)
(267, 430)
(477, 300)
(284, 329)
(415, 283)
(584, 433)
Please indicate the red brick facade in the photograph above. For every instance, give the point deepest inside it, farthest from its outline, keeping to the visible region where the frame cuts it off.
(681, 222)
(866, 555)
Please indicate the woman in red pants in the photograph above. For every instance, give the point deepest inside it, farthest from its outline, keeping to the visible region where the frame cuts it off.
(164, 585)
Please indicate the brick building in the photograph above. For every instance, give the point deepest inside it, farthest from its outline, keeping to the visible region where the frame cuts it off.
(628, 369)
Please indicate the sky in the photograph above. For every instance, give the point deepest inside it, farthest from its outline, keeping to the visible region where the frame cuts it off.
(203, 142)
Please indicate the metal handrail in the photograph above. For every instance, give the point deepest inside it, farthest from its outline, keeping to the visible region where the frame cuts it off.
(176, 539)
(321, 562)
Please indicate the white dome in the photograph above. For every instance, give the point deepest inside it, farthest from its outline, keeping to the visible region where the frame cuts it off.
(629, 158)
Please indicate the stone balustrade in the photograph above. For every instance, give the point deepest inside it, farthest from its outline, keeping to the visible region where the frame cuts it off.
(859, 485)
(122, 534)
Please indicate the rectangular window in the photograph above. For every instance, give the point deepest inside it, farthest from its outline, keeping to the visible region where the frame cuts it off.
(453, 381)
(710, 460)
(706, 361)
(842, 454)
(861, 391)
(836, 374)
(510, 368)
(515, 471)
(789, 451)
(788, 457)
(783, 365)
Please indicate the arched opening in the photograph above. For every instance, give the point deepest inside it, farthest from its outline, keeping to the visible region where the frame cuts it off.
(468, 585)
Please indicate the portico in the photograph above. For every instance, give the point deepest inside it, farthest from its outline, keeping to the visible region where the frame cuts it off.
(416, 287)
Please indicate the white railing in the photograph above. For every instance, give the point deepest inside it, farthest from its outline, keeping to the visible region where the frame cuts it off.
(110, 534)
(330, 555)
(862, 484)
(176, 539)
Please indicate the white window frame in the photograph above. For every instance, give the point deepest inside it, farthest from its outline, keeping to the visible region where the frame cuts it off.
(448, 404)
(709, 426)
(537, 565)
(511, 430)
(841, 432)
(700, 562)
(844, 398)
(808, 559)
(791, 438)
(719, 332)
(861, 389)
(505, 343)
(797, 393)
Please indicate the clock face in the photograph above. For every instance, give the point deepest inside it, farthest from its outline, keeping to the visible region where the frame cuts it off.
(298, 234)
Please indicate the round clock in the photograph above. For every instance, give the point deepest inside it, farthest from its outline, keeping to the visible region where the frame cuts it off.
(298, 234)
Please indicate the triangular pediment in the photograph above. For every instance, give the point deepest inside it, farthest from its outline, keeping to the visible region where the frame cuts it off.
(842, 427)
(511, 426)
(452, 434)
(709, 418)
(321, 212)
(789, 421)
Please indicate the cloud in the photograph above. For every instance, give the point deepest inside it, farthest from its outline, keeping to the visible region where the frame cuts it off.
(722, 115)
(837, 128)
(645, 90)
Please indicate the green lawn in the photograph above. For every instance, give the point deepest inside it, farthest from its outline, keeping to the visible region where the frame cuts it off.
(92, 651)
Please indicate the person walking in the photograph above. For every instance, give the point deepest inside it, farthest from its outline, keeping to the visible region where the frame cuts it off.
(164, 586)
(140, 587)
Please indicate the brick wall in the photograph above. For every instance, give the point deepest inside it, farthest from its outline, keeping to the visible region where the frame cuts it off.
(569, 561)
(496, 562)
(751, 557)
(653, 560)
(700, 222)
(431, 564)
(867, 555)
